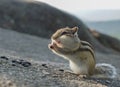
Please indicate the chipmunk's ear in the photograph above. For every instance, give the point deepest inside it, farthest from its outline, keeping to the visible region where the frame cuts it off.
(75, 29)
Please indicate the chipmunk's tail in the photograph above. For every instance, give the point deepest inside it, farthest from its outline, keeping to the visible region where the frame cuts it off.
(104, 70)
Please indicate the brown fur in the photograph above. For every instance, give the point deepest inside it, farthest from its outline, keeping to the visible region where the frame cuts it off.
(80, 54)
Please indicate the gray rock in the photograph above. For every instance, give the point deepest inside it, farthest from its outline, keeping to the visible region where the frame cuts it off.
(40, 19)
(38, 76)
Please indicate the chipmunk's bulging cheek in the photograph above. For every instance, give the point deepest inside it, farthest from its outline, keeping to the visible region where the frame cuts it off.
(65, 42)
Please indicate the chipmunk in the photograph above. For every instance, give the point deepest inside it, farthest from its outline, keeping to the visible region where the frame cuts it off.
(80, 54)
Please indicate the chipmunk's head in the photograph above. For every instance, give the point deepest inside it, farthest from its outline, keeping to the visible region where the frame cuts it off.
(66, 39)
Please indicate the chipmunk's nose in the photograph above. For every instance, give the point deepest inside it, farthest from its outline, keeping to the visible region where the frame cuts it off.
(51, 46)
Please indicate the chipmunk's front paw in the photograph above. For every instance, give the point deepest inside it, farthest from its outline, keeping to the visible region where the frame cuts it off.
(70, 72)
(82, 76)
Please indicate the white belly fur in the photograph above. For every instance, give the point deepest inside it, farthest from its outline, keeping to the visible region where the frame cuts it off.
(79, 67)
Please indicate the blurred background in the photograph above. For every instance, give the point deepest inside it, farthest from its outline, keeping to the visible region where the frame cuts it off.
(101, 15)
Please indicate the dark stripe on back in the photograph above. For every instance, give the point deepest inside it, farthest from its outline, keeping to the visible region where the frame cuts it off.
(87, 49)
(84, 43)
(84, 48)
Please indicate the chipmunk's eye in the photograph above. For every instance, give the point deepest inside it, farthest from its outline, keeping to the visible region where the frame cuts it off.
(63, 33)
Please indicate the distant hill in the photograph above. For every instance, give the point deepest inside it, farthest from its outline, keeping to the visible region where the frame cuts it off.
(107, 27)
(42, 20)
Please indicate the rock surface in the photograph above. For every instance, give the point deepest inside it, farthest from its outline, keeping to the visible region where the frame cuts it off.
(25, 61)
(42, 74)
(106, 40)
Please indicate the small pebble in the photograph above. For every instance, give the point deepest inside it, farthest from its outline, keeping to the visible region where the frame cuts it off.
(13, 64)
(21, 62)
(45, 72)
(15, 61)
(26, 64)
(4, 57)
(107, 81)
(45, 65)
(61, 70)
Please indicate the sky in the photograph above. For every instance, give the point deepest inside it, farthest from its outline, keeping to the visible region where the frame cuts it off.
(90, 10)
